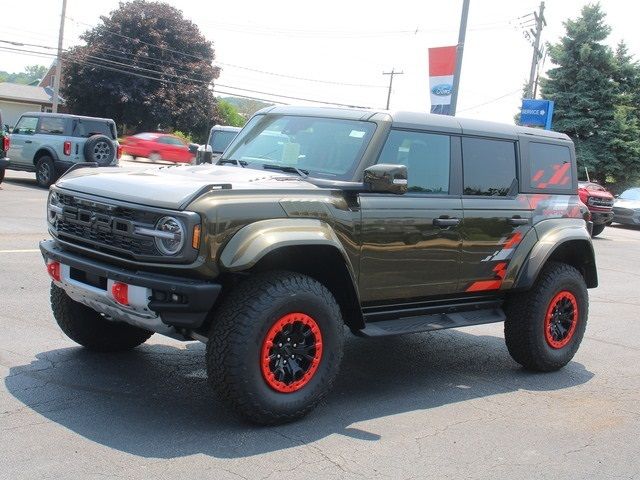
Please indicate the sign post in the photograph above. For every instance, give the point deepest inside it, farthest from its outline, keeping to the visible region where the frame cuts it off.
(537, 113)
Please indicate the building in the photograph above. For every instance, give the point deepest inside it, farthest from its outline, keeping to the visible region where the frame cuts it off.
(16, 99)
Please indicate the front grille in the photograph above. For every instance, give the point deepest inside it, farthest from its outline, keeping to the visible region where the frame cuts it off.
(106, 228)
(600, 202)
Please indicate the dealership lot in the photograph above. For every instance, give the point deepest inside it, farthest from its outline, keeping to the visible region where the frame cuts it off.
(445, 405)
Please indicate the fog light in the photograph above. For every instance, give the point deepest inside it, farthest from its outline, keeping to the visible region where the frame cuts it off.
(120, 292)
(54, 270)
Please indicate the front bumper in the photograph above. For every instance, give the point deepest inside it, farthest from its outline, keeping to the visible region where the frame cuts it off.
(151, 305)
(601, 218)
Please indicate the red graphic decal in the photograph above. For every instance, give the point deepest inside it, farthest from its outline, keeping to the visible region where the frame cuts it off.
(560, 174)
(484, 285)
(538, 175)
(513, 241)
(501, 270)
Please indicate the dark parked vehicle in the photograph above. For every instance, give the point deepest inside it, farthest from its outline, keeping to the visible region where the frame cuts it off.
(4, 147)
(600, 204)
(626, 208)
(51, 143)
(220, 137)
(320, 218)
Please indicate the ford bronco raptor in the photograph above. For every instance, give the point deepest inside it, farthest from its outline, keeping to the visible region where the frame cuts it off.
(319, 218)
(51, 143)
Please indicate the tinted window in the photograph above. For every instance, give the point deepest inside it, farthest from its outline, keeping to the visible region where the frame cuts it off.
(51, 125)
(220, 140)
(146, 136)
(426, 155)
(26, 125)
(489, 167)
(325, 147)
(550, 166)
(86, 128)
(632, 194)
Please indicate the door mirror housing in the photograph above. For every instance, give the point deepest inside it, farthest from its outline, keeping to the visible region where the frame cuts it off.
(386, 178)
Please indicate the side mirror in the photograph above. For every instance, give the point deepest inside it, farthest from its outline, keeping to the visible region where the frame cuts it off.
(386, 178)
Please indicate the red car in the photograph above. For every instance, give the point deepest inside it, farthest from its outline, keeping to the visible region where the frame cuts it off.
(158, 146)
(600, 204)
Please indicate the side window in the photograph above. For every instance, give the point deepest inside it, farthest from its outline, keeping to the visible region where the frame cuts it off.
(550, 166)
(51, 125)
(426, 155)
(488, 167)
(26, 126)
(164, 140)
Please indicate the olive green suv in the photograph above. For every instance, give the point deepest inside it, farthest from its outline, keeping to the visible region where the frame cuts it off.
(316, 219)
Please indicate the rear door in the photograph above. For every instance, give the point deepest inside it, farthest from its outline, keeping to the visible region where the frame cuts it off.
(496, 217)
(21, 150)
(411, 244)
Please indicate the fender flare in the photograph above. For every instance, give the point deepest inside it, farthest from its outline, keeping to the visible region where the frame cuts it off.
(252, 242)
(52, 153)
(556, 236)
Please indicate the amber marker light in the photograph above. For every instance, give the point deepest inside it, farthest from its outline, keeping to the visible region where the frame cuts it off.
(195, 239)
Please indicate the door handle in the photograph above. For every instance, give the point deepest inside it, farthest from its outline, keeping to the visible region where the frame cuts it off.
(446, 222)
(28, 141)
(518, 220)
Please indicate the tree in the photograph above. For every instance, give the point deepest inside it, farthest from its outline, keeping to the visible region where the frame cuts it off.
(229, 115)
(30, 74)
(145, 66)
(585, 93)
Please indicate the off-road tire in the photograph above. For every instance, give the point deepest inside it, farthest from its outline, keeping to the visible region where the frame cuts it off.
(45, 171)
(239, 329)
(597, 230)
(90, 329)
(524, 328)
(100, 149)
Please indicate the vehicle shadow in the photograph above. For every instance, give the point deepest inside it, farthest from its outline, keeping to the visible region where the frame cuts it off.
(24, 182)
(154, 401)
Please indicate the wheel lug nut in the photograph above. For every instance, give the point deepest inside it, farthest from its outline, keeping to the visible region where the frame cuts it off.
(288, 339)
(278, 356)
(280, 345)
(285, 361)
(295, 345)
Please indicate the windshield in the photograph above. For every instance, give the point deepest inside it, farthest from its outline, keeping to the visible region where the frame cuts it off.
(633, 194)
(220, 140)
(325, 147)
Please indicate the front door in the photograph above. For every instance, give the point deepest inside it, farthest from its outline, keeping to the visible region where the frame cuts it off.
(22, 146)
(411, 244)
(496, 218)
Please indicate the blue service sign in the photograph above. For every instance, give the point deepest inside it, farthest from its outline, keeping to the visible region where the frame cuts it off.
(536, 112)
(442, 90)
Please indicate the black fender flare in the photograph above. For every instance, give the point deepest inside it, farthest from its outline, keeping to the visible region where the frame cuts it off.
(50, 151)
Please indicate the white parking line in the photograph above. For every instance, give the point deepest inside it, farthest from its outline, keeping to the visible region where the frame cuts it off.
(30, 250)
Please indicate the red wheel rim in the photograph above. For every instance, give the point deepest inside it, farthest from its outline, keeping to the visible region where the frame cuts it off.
(561, 320)
(291, 352)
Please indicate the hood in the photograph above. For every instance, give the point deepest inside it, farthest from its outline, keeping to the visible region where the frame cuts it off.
(173, 186)
(598, 194)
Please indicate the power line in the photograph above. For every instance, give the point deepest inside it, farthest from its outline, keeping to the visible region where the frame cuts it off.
(490, 101)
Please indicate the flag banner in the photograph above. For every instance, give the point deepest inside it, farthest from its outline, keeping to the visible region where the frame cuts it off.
(442, 65)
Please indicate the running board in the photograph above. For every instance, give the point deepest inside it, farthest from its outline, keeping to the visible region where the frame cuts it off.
(427, 323)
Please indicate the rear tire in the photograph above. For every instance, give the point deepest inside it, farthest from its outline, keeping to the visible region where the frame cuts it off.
(90, 329)
(257, 328)
(545, 325)
(45, 172)
(597, 230)
(155, 157)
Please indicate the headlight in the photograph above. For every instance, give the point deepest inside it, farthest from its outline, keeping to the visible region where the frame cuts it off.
(53, 207)
(169, 235)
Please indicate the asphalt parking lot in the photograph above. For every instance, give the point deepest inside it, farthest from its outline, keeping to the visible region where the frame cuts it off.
(451, 404)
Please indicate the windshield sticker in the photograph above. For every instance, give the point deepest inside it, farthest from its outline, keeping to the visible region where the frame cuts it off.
(357, 134)
(290, 153)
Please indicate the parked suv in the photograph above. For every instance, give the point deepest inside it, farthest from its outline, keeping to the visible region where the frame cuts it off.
(50, 143)
(384, 222)
(220, 137)
(600, 204)
(4, 146)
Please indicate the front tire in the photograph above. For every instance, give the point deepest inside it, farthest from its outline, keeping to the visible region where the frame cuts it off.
(2, 170)
(155, 157)
(90, 329)
(275, 347)
(545, 325)
(45, 172)
(597, 230)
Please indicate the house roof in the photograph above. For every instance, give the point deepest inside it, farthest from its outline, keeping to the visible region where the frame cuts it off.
(27, 93)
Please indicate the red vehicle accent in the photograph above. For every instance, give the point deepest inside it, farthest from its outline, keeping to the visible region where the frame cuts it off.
(53, 268)
(66, 148)
(167, 147)
(120, 292)
(595, 197)
(561, 319)
(6, 143)
(291, 352)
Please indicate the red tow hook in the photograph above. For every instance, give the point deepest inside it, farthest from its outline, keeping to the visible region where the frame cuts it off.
(53, 268)
(120, 292)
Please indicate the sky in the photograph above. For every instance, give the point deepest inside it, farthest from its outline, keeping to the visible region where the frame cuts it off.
(339, 49)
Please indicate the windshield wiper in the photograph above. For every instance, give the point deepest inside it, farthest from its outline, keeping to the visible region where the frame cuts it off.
(286, 168)
(239, 163)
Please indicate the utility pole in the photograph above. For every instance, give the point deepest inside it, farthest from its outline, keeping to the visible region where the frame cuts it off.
(540, 21)
(459, 50)
(391, 74)
(56, 79)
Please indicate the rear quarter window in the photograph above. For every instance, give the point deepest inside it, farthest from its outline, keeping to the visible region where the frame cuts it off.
(550, 166)
(87, 128)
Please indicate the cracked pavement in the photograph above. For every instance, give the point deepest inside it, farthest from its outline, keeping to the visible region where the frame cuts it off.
(450, 404)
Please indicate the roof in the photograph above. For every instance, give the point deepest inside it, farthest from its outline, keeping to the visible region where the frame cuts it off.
(225, 128)
(65, 115)
(420, 120)
(26, 93)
